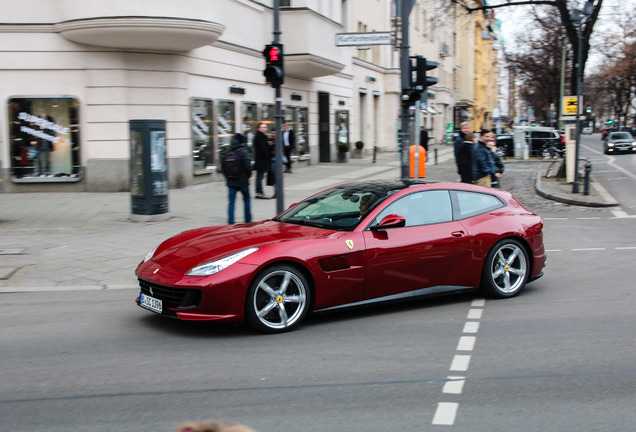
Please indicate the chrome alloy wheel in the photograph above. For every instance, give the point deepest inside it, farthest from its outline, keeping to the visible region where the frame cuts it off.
(278, 299)
(507, 269)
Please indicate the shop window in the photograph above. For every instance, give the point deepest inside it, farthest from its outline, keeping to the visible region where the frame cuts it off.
(267, 117)
(44, 139)
(250, 120)
(302, 133)
(202, 136)
(226, 123)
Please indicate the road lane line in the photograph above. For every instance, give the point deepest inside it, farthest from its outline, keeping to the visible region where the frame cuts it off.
(588, 249)
(466, 343)
(460, 363)
(474, 314)
(445, 413)
(454, 385)
(471, 327)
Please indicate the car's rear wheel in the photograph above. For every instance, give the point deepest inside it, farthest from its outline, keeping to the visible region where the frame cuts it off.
(506, 269)
(278, 299)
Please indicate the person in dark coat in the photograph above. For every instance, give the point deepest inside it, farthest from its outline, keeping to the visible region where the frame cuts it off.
(499, 166)
(424, 138)
(261, 157)
(464, 129)
(240, 183)
(465, 158)
(289, 145)
(483, 160)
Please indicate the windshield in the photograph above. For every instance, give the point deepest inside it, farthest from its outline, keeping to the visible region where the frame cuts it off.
(620, 135)
(341, 208)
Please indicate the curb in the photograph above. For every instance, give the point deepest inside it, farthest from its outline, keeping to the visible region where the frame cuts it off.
(609, 201)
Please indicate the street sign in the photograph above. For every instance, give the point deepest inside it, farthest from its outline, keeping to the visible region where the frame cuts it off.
(355, 39)
(569, 105)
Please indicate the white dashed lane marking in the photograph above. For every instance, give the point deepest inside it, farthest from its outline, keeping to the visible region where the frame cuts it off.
(446, 412)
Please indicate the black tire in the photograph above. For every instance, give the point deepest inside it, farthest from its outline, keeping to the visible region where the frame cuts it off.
(278, 299)
(506, 269)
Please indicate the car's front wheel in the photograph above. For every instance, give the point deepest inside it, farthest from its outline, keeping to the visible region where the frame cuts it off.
(278, 299)
(506, 269)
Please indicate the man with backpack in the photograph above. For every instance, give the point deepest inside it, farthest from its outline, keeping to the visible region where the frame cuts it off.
(236, 165)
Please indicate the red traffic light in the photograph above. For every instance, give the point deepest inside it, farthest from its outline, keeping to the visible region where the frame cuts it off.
(274, 71)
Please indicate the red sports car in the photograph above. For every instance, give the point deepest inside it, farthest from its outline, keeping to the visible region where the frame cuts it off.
(350, 245)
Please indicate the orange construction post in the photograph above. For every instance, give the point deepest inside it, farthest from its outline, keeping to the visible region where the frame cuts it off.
(417, 159)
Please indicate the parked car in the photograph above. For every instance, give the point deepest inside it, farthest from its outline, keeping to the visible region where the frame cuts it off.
(587, 131)
(619, 142)
(354, 244)
(544, 142)
(505, 145)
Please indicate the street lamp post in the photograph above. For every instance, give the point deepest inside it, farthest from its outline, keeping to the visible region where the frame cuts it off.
(577, 17)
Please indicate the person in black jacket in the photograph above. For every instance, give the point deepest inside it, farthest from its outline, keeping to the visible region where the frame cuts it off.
(261, 157)
(239, 182)
(499, 166)
(289, 145)
(465, 158)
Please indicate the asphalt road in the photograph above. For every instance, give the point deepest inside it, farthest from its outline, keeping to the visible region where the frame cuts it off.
(559, 357)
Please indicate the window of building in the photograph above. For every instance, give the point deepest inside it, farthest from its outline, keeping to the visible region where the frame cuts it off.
(44, 139)
(249, 116)
(302, 133)
(225, 123)
(202, 136)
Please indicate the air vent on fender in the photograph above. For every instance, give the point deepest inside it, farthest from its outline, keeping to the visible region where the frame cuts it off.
(334, 263)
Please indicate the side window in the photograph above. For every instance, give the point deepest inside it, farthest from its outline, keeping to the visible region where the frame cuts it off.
(474, 203)
(422, 208)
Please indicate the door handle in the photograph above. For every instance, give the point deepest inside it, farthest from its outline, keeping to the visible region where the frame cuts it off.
(457, 233)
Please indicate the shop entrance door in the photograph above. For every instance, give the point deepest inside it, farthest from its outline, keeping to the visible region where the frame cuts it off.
(323, 127)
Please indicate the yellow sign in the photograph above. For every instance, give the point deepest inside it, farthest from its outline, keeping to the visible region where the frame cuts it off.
(569, 105)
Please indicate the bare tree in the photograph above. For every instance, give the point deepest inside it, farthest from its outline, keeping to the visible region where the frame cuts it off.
(538, 65)
(564, 8)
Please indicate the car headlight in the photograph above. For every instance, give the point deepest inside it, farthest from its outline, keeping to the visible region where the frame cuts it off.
(610, 144)
(150, 254)
(218, 265)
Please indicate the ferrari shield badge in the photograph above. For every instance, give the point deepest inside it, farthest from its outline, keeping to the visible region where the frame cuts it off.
(349, 243)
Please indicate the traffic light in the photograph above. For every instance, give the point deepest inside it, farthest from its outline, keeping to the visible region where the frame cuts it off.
(419, 78)
(274, 71)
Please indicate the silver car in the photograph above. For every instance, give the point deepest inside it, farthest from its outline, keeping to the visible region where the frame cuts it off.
(619, 142)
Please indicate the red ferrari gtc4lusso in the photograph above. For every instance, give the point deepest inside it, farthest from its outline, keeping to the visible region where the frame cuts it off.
(350, 245)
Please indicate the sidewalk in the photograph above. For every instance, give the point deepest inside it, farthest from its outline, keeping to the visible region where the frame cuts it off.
(73, 241)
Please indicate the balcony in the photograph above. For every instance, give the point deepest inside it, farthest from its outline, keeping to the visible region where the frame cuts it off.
(124, 24)
(310, 44)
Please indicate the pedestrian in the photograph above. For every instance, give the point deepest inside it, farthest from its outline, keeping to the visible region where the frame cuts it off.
(237, 169)
(499, 166)
(424, 138)
(271, 173)
(464, 128)
(465, 158)
(289, 145)
(261, 158)
(483, 161)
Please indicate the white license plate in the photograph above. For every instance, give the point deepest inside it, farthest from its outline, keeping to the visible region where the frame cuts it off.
(150, 303)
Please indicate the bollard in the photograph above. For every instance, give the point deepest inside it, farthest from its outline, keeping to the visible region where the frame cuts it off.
(435, 155)
(375, 151)
(588, 170)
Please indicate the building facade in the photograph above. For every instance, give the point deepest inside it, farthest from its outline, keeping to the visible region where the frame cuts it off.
(77, 74)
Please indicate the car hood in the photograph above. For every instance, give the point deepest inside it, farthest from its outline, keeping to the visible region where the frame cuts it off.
(195, 247)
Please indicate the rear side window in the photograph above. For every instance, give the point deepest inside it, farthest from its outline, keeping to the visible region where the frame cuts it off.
(469, 204)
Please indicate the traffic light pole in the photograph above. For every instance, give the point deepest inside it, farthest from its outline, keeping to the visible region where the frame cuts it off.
(405, 67)
(280, 198)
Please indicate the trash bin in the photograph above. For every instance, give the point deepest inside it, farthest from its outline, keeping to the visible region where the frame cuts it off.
(148, 170)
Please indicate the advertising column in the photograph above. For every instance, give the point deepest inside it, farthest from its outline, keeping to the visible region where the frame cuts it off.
(148, 170)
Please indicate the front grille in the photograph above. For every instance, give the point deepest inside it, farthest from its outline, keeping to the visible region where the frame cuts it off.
(172, 298)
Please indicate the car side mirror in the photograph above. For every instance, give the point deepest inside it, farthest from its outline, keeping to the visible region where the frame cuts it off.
(390, 221)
